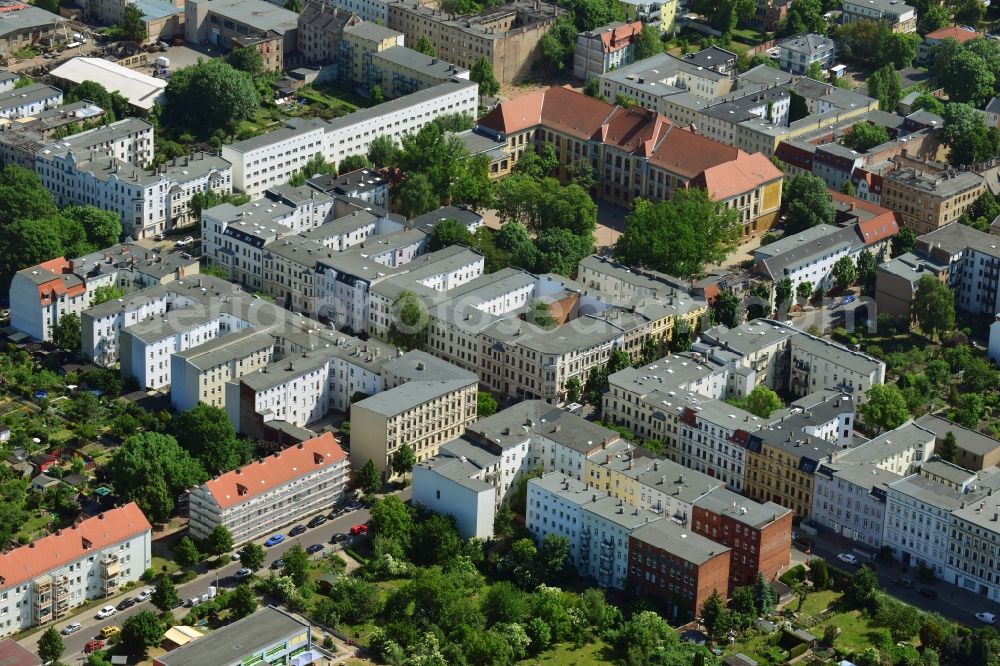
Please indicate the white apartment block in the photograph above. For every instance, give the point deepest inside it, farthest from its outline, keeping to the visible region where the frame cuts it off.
(129, 140)
(93, 559)
(270, 159)
(279, 490)
(200, 374)
(460, 486)
(374, 11)
(29, 100)
(818, 364)
(974, 549)
(606, 526)
(555, 506)
(145, 350)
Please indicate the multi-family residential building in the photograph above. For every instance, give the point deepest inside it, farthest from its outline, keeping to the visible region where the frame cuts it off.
(818, 364)
(661, 14)
(219, 22)
(677, 567)
(851, 486)
(760, 535)
(29, 100)
(200, 373)
(976, 451)
(974, 546)
(928, 201)
(273, 158)
(320, 30)
(555, 506)
(606, 527)
(92, 559)
(426, 402)
(370, 11)
(268, 635)
(961, 34)
(359, 45)
(637, 153)
(401, 71)
(41, 294)
(768, 14)
(605, 48)
(899, 16)
(507, 35)
(798, 53)
(250, 501)
(461, 486)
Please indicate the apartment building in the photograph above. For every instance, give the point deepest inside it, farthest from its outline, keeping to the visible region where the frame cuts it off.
(129, 140)
(269, 45)
(370, 11)
(652, 81)
(972, 550)
(818, 364)
(287, 486)
(639, 153)
(928, 201)
(94, 558)
(768, 14)
(937, 37)
(320, 29)
(602, 49)
(29, 101)
(661, 14)
(462, 487)
(507, 36)
(851, 486)
(976, 451)
(41, 294)
(554, 506)
(798, 53)
(359, 45)
(219, 22)
(606, 528)
(272, 158)
(678, 568)
(432, 403)
(200, 374)
(401, 71)
(898, 16)
(268, 635)
(760, 535)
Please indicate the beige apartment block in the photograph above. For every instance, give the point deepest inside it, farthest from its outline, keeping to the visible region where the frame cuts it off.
(930, 200)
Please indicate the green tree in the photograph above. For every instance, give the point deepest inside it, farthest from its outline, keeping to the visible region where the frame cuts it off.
(806, 17)
(884, 86)
(296, 565)
(50, 645)
(252, 556)
(764, 595)
(424, 46)
(377, 96)
(472, 187)
(107, 293)
(806, 203)
(186, 552)
(804, 291)
(408, 329)
(844, 273)
(967, 78)
(486, 404)
(574, 389)
(482, 73)
(294, 6)
(141, 632)
(678, 236)
(247, 59)
(966, 135)
(351, 163)
(885, 408)
(133, 24)
(899, 49)
(243, 601)
(448, 232)
(66, 332)
(103, 228)
(151, 469)
(209, 436)
(403, 460)
(863, 588)
(949, 448)
(761, 401)
(592, 88)
(649, 43)
(209, 96)
(22, 196)
(316, 165)
(968, 12)
(391, 518)
(727, 309)
(383, 152)
(27, 242)
(369, 479)
(711, 611)
(933, 18)
(164, 595)
(415, 196)
(928, 102)
(219, 541)
(934, 306)
(903, 242)
(864, 136)
(783, 294)
(540, 314)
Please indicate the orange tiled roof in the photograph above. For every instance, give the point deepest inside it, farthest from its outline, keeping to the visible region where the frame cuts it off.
(953, 32)
(261, 476)
(621, 36)
(71, 544)
(737, 176)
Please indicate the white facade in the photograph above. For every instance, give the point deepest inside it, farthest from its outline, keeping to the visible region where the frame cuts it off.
(375, 11)
(92, 559)
(851, 502)
(607, 524)
(917, 521)
(456, 488)
(273, 158)
(974, 550)
(555, 506)
(29, 100)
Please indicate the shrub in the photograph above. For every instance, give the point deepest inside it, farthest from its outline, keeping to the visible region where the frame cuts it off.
(797, 650)
(796, 574)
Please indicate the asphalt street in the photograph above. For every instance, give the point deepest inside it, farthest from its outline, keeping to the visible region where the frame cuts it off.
(91, 626)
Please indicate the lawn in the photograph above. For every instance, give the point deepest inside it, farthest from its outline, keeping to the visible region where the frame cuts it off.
(340, 100)
(566, 654)
(37, 525)
(159, 564)
(750, 36)
(818, 602)
(854, 630)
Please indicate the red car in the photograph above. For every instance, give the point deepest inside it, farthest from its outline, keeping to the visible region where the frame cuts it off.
(359, 529)
(93, 646)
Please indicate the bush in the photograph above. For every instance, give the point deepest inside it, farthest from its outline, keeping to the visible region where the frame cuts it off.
(357, 556)
(148, 575)
(797, 650)
(796, 574)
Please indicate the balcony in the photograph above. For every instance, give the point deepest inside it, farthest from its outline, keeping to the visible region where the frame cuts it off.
(110, 567)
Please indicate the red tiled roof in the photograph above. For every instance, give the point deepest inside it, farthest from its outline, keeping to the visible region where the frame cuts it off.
(71, 544)
(261, 476)
(688, 154)
(953, 32)
(734, 177)
(621, 36)
(12, 654)
(555, 107)
(634, 130)
(879, 225)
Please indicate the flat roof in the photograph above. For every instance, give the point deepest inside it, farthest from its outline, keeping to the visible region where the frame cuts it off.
(257, 14)
(678, 540)
(398, 104)
(968, 440)
(425, 64)
(142, 91)
(238, 640)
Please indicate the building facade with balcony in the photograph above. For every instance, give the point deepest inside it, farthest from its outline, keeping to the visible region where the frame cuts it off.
(263, 496)
(93, 559)
(607, 524)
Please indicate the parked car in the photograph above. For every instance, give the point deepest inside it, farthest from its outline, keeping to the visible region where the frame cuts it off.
(904, 582)
(127, 602)
(177, 604)
(359, 529)
(297, 530)
(274, 540)
(110, 630)
(145, 594)
(93, 646)
(184, 242)
(242, 574)
(338, 537)
(315, 548)
(928, 592)
(71, 628)
(316, 522)
(235, 557)
(988, 618)
(277, 564)
(107, 611)
(848, 558)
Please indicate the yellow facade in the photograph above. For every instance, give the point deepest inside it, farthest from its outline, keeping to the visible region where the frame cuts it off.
(774, 475)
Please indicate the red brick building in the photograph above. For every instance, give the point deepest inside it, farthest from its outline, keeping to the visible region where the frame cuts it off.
(759, 534)
(681, 569)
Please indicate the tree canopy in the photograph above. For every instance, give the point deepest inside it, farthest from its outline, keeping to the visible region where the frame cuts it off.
(934, 306)
(806, 203)
(886, 407)
(208, 435)
(679, 235)
(967, 138)
(209, 96)
(482, 73)
(152, 469)
(864, 136)
(884, 86)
